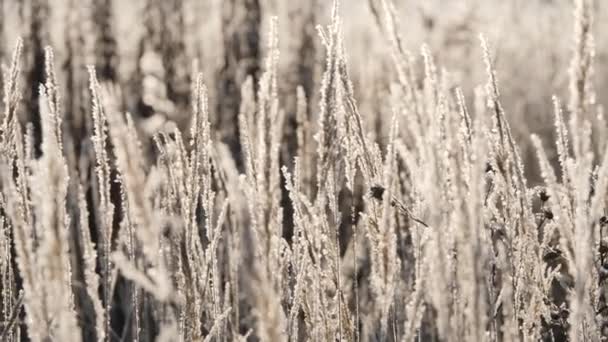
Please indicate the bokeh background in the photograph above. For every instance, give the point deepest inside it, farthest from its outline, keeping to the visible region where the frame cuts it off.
(152, 48)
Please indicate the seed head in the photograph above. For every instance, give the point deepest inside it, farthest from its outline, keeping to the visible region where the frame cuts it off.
(489, 167)
(544, 196)
(377, 192)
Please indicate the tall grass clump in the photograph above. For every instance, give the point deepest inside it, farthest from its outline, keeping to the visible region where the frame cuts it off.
(273, 187)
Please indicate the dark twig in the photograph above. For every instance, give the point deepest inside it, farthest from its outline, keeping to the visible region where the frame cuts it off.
(377, 193)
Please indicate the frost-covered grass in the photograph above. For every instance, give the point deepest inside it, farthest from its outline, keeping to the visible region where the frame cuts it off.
(273, 201)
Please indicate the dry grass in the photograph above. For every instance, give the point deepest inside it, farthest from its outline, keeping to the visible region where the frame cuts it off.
(192, 200)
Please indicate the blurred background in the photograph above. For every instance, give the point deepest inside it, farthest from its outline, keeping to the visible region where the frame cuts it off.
(152, 49)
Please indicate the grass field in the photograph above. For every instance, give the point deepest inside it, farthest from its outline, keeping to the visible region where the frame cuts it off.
(266, 170)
